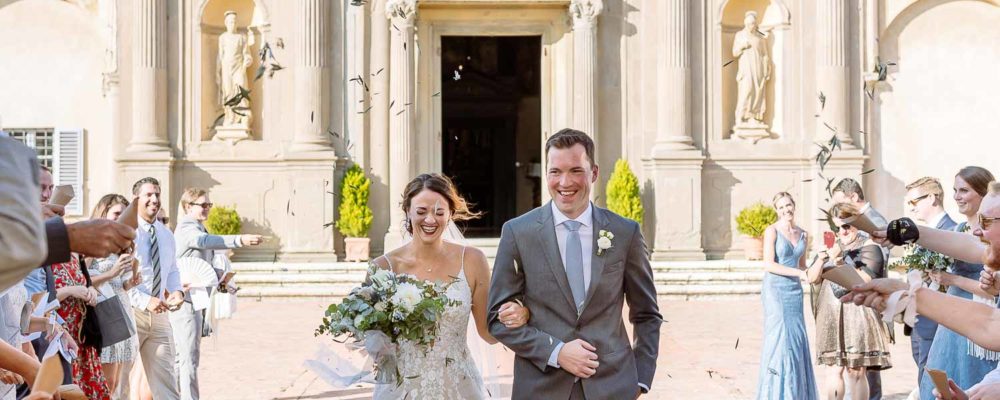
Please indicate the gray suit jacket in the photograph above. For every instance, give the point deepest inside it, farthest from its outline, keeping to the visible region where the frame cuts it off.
(875, 217)
(528, 266)
(193, 240)
(23, 244)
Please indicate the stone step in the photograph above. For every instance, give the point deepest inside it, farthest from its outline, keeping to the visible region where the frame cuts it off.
(663, 291)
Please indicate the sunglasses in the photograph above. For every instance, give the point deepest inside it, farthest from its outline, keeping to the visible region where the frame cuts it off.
(986, 222)
(913, 202)
(202, 205)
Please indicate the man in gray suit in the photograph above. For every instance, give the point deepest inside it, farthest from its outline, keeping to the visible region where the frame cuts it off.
(849, 191)
(573, 264)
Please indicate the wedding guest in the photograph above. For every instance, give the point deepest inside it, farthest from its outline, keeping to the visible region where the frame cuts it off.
(977, 321)
(848, 336)
(74, 295)
(965, 362)
(159, 290)
(193, 240)
(849, 191)
(924, 199)
(21, 227)
(117, 272)
(785, 363)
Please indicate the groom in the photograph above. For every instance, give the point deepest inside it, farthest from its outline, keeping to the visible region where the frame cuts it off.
(556, 260)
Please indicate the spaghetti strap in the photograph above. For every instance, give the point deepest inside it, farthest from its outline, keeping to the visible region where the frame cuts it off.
(387, 261)
(461, 271)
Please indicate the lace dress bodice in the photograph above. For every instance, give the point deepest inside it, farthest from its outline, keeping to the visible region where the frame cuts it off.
(444, 370)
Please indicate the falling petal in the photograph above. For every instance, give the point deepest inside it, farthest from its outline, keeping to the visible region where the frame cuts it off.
(868, 171)
(727, 63)
(822, 101)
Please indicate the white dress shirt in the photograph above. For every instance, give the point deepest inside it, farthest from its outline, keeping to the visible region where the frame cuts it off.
(170, 277)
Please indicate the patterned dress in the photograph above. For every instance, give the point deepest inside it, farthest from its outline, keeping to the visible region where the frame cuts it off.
(126, 350)
(87, 371)
(444, 370)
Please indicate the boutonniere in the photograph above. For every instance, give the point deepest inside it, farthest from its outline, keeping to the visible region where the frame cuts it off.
(604, 239)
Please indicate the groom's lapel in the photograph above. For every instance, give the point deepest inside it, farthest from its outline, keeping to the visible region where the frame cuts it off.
(547, 234)
(596, 261)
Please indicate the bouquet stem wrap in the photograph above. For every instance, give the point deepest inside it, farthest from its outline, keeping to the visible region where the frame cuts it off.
(382, 350)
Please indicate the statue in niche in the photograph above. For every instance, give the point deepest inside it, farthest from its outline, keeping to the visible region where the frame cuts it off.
(750, 46)
(231, 75)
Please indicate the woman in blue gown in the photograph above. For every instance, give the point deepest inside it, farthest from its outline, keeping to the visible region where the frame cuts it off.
(786, 370)
(965, 362)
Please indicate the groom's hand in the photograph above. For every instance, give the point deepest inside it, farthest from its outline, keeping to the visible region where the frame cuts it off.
(578, 358)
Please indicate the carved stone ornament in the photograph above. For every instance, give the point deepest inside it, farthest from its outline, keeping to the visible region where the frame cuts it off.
(401, 9)
(585, 10)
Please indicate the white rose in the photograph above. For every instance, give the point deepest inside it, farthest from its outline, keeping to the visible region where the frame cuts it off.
(609, 235)
(381, 306)
(407, 296)
(604, 243)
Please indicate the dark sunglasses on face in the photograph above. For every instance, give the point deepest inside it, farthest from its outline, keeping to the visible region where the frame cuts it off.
(202, 205)
(913, 202)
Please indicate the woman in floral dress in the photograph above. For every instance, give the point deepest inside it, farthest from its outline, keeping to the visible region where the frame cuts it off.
(73, 294)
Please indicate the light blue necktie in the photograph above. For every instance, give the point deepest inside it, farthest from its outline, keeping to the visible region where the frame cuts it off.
(574, 263)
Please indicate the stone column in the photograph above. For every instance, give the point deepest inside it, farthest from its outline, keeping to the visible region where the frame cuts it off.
(402, 123)
(312, 94)
(378, 134)
(584, 14)
(833, 71)
(674, 164)
(674, 84)
(149, 77)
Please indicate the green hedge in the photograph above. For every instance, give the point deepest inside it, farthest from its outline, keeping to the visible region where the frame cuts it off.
(623, 193)
(753, 220)
(223, 220)
(355, 215)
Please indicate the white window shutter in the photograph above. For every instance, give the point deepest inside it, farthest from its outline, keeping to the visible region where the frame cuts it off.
(67, 163)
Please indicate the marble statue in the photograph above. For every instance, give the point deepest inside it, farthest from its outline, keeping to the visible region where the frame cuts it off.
(750, 47)
(231, 73)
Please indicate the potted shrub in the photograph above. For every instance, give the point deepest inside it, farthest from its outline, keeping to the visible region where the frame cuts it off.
(752, 221)
(623, 193)
(223, 220)
(355, 216)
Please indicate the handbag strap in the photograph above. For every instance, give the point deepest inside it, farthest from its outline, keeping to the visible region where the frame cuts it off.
(86, 274)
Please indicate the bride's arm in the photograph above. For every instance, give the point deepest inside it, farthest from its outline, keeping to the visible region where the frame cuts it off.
(479, 269)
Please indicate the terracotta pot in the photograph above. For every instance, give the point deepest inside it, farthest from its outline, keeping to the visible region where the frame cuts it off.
(753, 248)
(356, 249)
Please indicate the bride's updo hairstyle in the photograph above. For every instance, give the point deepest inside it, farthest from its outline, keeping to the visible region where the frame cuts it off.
(440, 184)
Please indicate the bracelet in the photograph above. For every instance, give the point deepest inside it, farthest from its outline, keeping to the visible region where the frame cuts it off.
(902, 231)
(902, 305)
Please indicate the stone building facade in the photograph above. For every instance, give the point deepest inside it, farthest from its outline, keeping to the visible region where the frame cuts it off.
(109, 91)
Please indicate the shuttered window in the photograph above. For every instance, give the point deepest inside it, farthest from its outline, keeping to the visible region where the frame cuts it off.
(62, 151)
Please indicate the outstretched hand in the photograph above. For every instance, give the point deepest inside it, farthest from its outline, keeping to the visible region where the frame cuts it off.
(874, 293)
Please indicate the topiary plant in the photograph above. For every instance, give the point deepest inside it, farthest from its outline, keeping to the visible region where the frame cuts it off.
(753, 220)
(223, 220)
(623, 193)
(355, 215)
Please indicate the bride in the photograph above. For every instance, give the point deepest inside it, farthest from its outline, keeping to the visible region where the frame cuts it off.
(445, 370)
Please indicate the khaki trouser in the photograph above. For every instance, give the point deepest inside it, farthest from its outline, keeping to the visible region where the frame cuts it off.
(156, 348)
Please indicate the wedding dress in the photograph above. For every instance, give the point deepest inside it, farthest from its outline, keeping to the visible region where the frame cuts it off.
(444, 370)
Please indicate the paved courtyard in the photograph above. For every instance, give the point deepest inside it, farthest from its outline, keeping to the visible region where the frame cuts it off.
(708, 348)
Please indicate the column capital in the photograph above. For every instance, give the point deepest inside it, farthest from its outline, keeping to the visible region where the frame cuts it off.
(585, 12)
(403, 10)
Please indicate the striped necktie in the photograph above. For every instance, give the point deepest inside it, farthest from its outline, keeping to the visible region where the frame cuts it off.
(154, 259)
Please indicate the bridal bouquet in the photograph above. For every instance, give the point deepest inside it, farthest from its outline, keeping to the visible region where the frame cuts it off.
(384, 310)
(921, 259)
